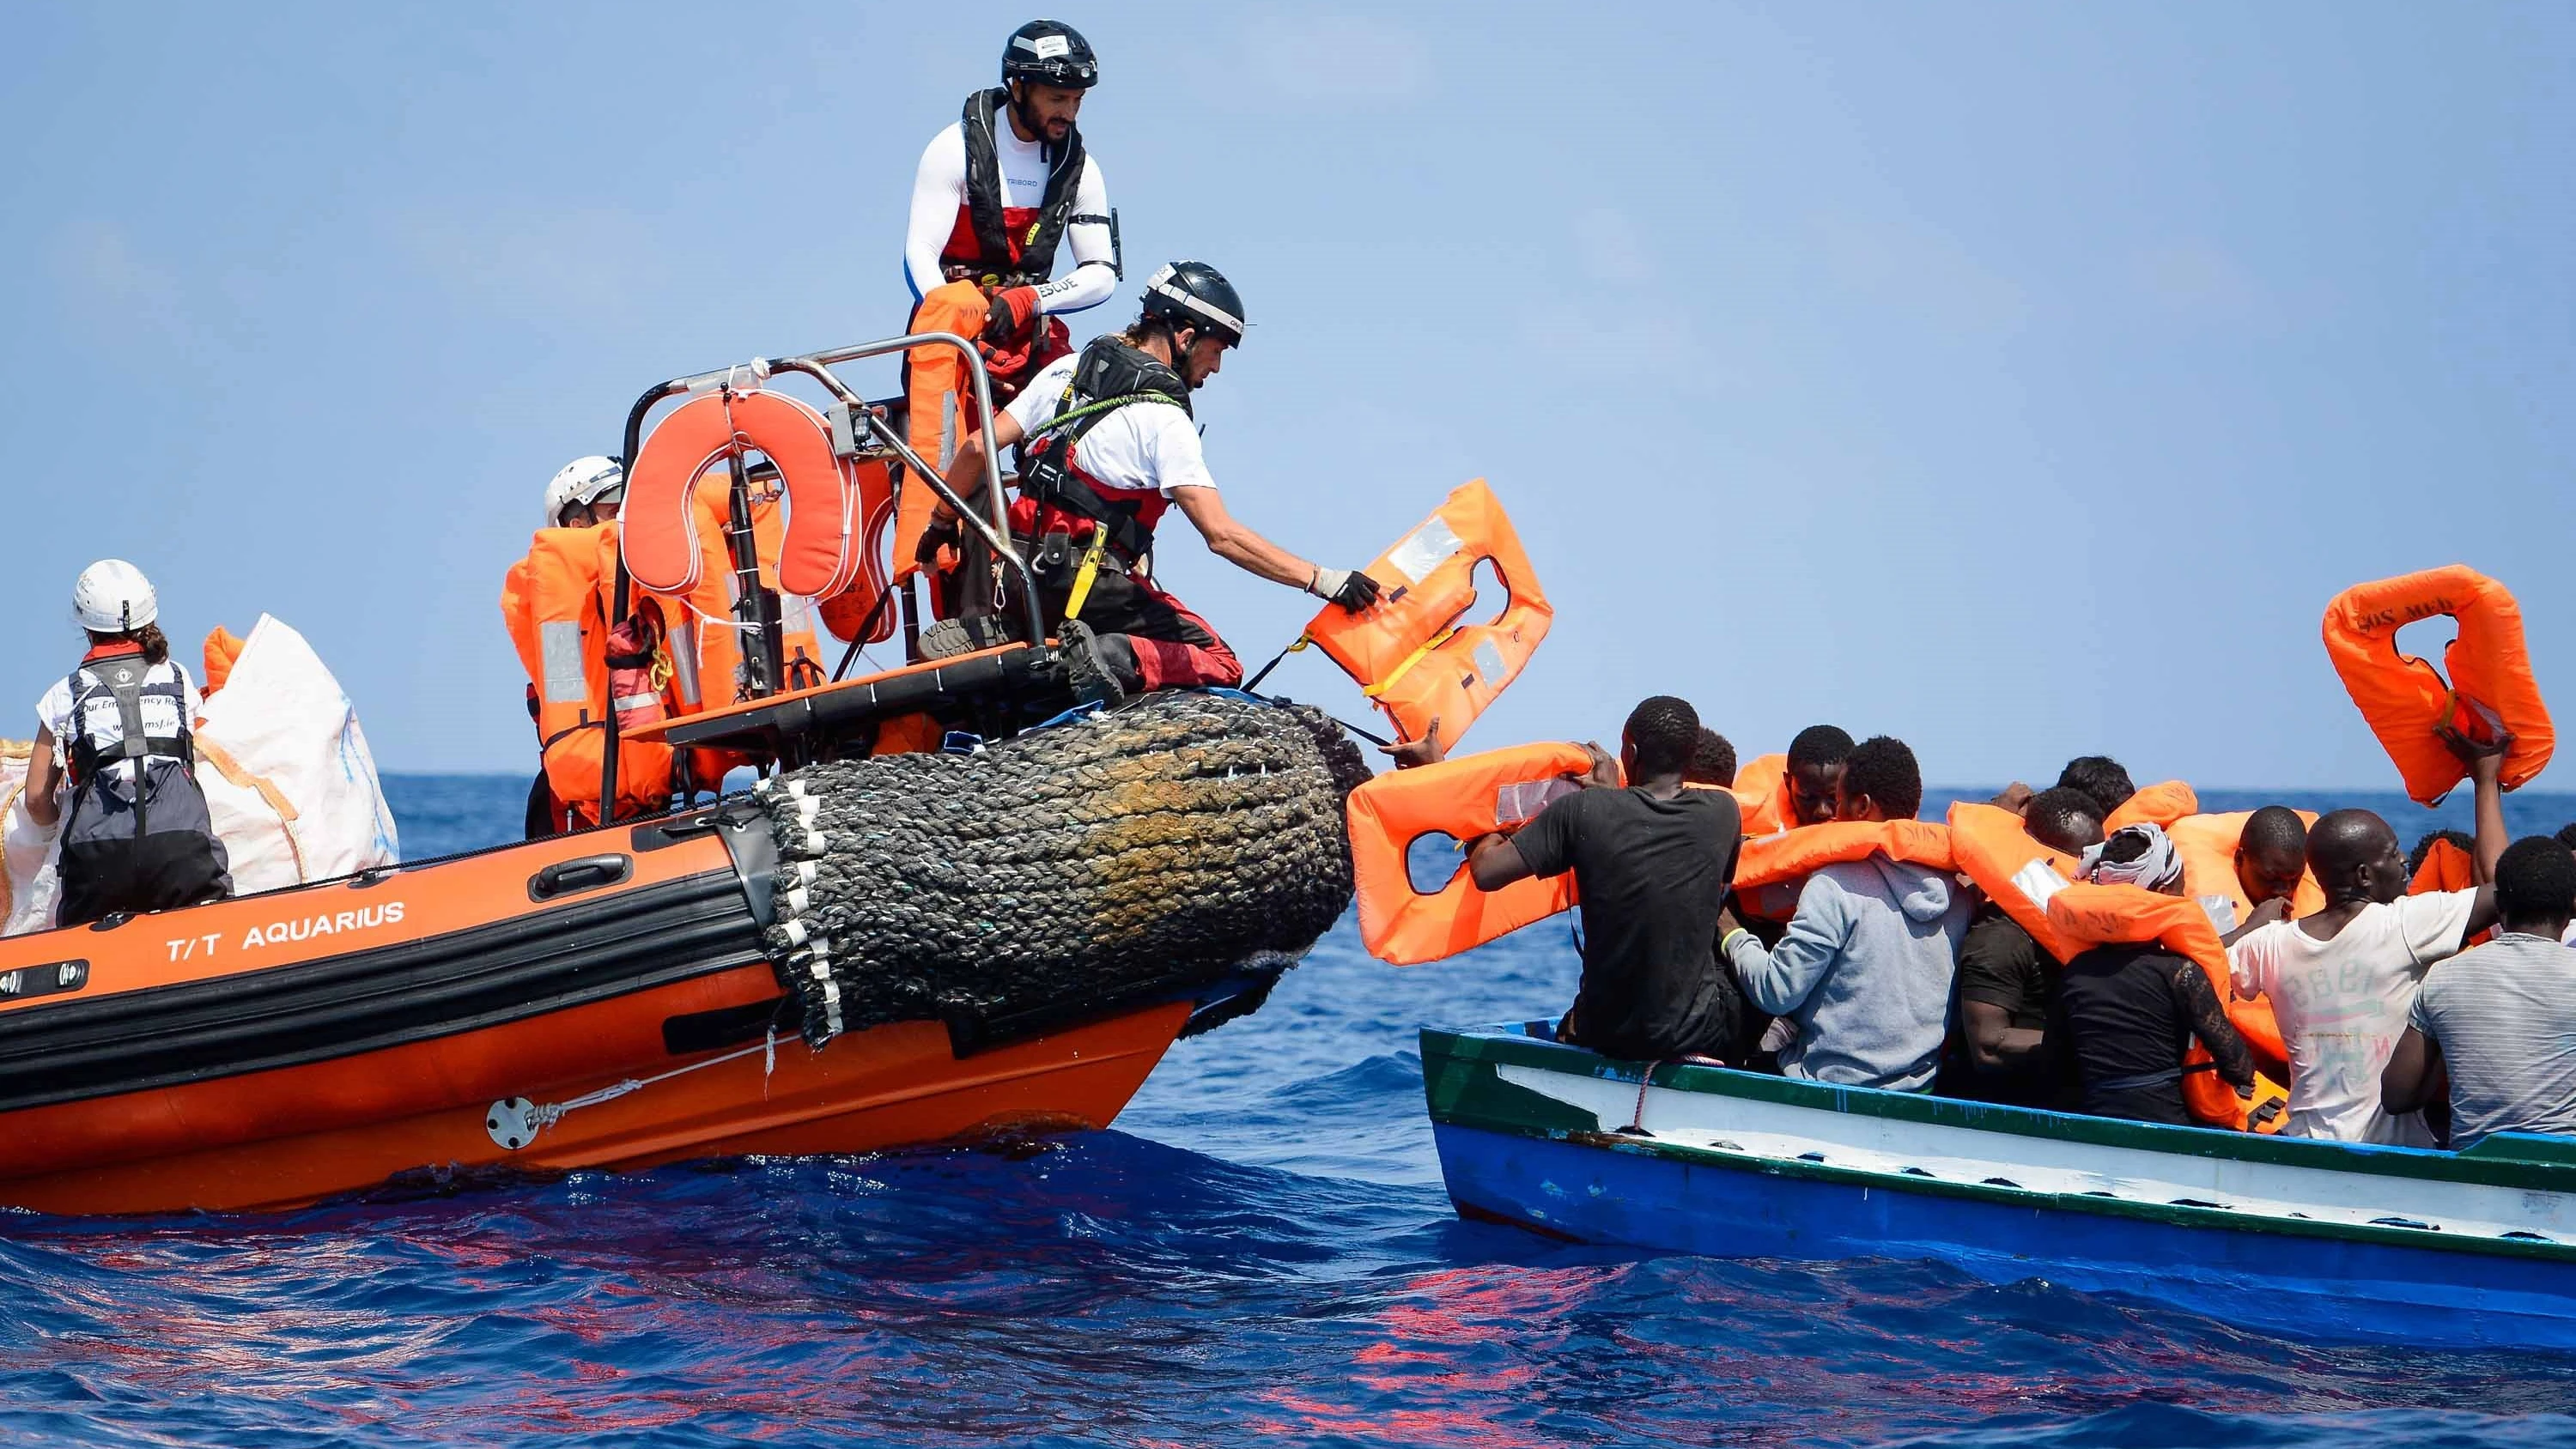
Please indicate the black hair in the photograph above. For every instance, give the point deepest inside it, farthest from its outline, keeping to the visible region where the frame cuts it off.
(2275, 830)
(2099, 776)
(2424, 847)
(2067, 821)
(2535, 881)
(1665, 730)
(1819, 745)
(154, 643)
(1882, 768)
(1712, 760)
(2126, 844)
(2342, 840)
(2567, 835)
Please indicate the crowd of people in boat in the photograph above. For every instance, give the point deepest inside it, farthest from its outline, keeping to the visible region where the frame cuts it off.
(2431, 1018)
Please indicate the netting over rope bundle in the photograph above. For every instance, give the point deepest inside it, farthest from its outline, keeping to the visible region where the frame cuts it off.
(1165, 844)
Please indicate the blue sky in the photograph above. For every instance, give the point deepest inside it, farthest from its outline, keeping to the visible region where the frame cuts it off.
(2017, 379)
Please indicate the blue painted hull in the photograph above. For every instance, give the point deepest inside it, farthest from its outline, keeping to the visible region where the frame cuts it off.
(2299, 1286)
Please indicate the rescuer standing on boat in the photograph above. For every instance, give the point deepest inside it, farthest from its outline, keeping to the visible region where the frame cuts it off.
(997, 194)
(136, 835)
(1106, 445)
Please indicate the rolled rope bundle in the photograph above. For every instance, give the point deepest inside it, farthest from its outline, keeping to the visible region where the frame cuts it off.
(1160, 846)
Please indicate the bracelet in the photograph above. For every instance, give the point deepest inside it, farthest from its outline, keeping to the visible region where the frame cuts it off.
(1726, 943)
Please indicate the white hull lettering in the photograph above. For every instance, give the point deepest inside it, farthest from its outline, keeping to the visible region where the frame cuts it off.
(332, 923)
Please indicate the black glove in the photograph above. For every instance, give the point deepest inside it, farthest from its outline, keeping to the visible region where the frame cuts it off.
(1353, 589)
(942, 532)
(1008, 314)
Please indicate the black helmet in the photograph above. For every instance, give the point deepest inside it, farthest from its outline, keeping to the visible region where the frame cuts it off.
(1050, 53)
(1194, 294)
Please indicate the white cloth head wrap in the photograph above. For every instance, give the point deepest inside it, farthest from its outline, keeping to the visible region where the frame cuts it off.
(2156, 868)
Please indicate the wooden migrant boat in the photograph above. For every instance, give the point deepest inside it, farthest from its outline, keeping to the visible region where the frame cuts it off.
(870, 950)
(2310, 1239)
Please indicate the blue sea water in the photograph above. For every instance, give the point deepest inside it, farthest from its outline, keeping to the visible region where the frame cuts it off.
(1260, 1248)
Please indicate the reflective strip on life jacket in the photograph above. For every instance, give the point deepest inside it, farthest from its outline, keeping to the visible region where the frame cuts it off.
(1462, 798)
(1409, 652)
(555, 602)
(2405, 698)
(1771, 869)
(2162, 803)
(2088, 915)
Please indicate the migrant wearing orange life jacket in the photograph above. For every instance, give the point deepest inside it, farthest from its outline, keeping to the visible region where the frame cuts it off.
(1762, 791)
(2084, 915)
(1996, 851)
(1411, 653)
(1462, 798)
(2489, 690)
(2208, 846)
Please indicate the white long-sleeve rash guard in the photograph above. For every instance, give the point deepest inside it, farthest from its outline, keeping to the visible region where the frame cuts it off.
(939, 198)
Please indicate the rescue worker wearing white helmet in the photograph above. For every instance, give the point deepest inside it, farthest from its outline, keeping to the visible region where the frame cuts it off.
(115, 762)
(595, 485)
(997, 195)
(585, 493)
(1106, 445)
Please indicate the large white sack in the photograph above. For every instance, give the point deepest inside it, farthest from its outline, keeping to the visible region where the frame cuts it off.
(288, 777)
(28, 848)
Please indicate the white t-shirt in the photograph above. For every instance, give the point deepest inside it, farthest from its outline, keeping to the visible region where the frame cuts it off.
(939, 195)
(1146, 447)
(107, 723)
(2343, 1003)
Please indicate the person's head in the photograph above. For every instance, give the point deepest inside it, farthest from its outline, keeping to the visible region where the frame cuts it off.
(1657, 743)
(2139, 855)
(1712, 760)
(2101, 777)
(2271, 854)
(115, 604)
(2355, 857)
(1879, 782)
(2065, 820)
(2567, 835)
(1046, 66)
(2424, 847)
(1191, 316)
(2535, 887)
(585, 492)
(1816, 773)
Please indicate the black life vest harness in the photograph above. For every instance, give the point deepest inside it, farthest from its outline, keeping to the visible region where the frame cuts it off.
(126, 679)
(1033, 261)
(1110, 374)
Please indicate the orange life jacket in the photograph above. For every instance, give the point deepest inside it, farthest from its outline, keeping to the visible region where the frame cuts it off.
(2404, 698)
(223, 650)
(1463, 798)
(1409, 652)
(556, 603)
(2446, 867)
(2160, 804)
(2088, 915)
(939, 393)
(826, 542)
(2020, 875)
(2207, 845)
(1762, 788)
(1770, 870)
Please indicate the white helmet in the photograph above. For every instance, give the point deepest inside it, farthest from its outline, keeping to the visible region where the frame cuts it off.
(584, 481)
(113, 597)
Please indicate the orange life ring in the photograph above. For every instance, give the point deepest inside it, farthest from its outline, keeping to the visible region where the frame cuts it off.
(1771, 869)
(2020, 875)
(1409, 652)
(2087, 915)
(1465, 798)
(831, 523)
(2405, 698)
(2162, 803)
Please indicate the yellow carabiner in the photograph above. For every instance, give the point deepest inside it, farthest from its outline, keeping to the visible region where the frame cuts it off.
(1083, 577)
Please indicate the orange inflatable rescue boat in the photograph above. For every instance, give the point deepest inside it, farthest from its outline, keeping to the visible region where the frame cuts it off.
(718, 980)
(2489, 687)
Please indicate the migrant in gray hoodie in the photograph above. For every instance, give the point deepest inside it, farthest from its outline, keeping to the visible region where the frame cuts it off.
(1864, 972)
